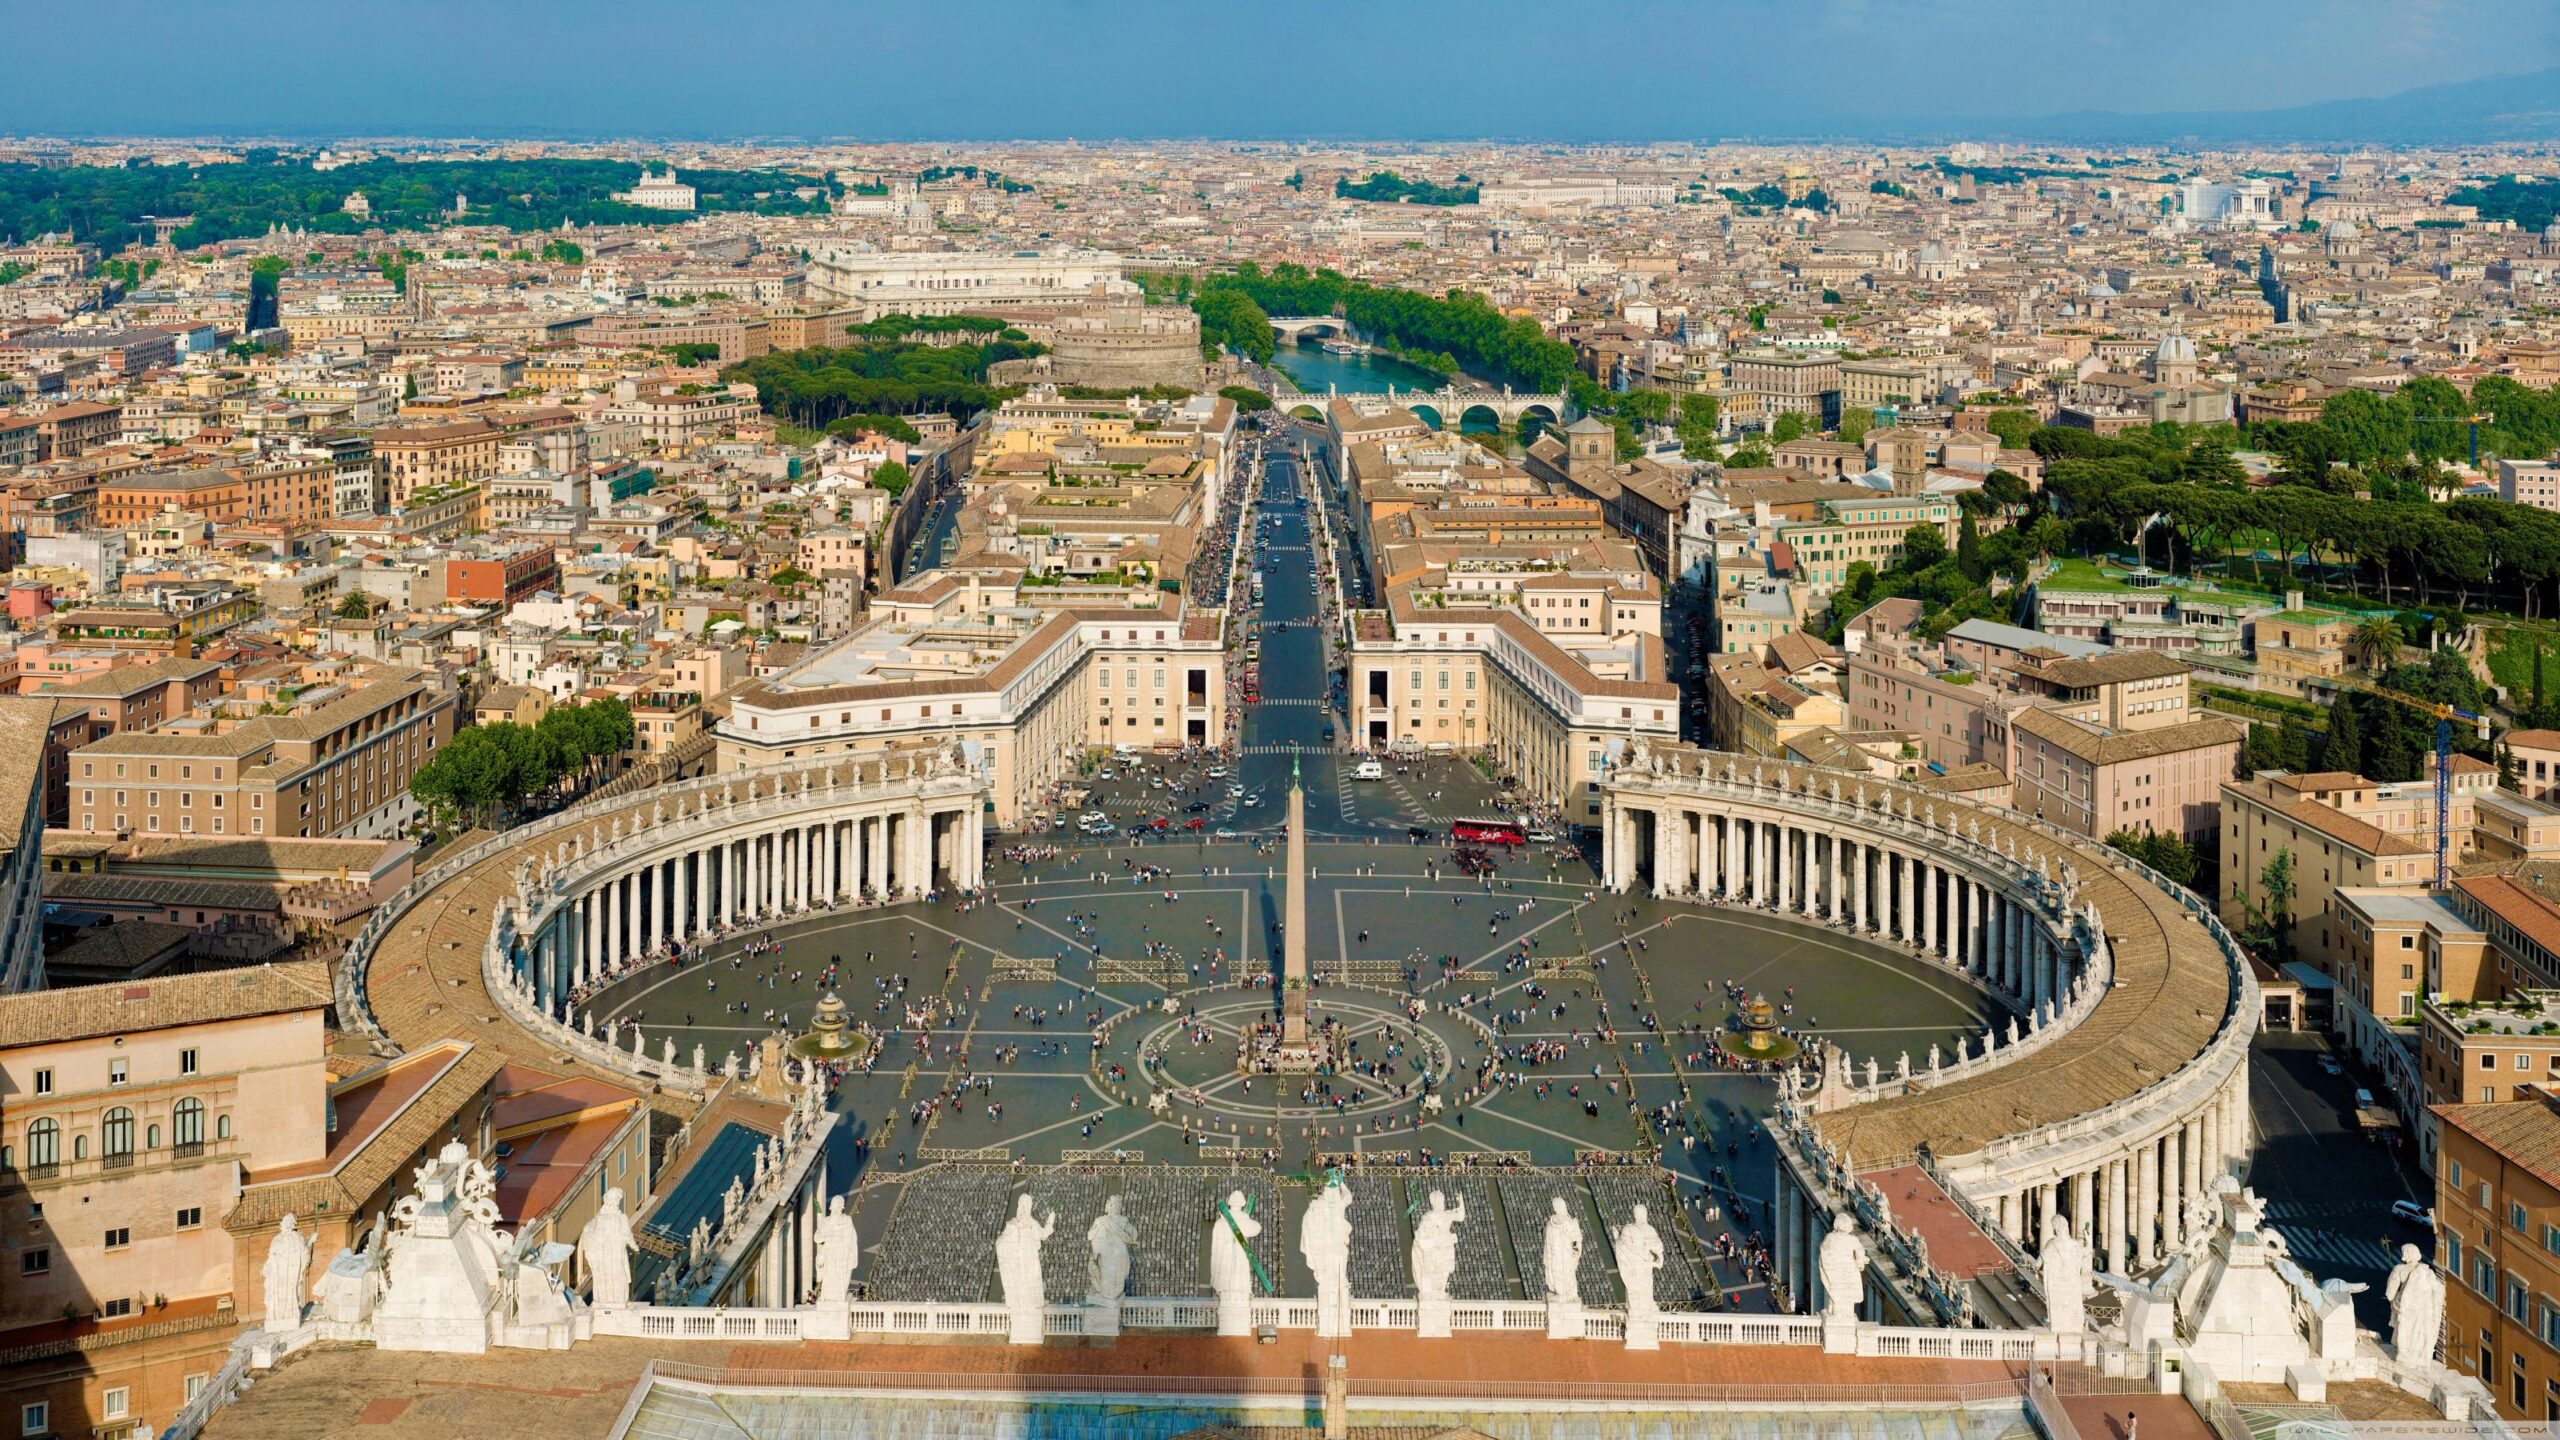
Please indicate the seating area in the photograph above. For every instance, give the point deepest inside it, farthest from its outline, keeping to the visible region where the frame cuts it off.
(941, 1239)
(1617, 1191)
(1382, 1248)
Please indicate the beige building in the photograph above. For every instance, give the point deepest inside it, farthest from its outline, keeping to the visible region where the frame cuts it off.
(132, 1114)
(337, 761)
(413, 458)
(1027, 692)
(2094, 781)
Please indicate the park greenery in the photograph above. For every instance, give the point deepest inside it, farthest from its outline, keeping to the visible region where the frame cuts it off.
(488, 772)
(2348, 500)
(875, 375)
(238, 200)
(1249, 401)
(2531, 204)
(1386, 186)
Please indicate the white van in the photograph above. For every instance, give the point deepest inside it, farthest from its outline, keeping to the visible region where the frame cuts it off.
(1368, 770)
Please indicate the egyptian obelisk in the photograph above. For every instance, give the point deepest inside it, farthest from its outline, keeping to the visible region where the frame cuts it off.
(1293, 921)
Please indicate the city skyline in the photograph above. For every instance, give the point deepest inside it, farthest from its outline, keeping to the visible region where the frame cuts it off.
(1144, 69)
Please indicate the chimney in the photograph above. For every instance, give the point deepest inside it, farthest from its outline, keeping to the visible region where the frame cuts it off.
(2293, 600)
(1337, 1399)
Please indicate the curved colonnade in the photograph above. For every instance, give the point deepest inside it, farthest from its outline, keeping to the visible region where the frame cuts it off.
(534, 920)
(2111, 1102)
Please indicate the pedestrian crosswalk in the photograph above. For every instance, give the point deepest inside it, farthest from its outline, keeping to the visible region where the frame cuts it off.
(2324, 1250)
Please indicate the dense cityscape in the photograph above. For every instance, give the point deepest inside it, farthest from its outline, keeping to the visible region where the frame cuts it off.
(746, 788)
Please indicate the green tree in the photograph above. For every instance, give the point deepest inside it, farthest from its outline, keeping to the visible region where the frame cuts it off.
(1854, 423)
(2014, 427)
(355, 605)
(2275, 906)
(2345, 747)
(893, 478)
(2378, 640)
(1969, 549)
(1922, 547)
(1788, 426)
(1249, 401)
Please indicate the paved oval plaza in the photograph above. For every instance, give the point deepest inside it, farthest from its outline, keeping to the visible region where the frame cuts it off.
(1096, 1011)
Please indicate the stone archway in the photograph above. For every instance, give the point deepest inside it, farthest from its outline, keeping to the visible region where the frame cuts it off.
(1429, 415)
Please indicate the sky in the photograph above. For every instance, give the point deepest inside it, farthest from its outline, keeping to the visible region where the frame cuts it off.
(1566, 70)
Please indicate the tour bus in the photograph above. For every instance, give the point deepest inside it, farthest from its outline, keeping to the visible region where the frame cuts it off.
(1487, 832)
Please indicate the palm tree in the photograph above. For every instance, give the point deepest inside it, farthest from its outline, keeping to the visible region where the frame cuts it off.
(2378, 640)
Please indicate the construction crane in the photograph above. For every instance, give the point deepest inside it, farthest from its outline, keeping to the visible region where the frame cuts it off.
(2471, 421)
(2444, 716)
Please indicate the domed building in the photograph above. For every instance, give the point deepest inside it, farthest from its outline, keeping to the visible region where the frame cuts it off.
(2173, 362)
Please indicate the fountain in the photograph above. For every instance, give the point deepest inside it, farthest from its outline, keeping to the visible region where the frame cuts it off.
(1759, 1037)
(831, 1035)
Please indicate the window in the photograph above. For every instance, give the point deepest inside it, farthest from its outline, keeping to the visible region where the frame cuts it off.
(2515, 1216)
(35, 1418)
(187, 1125)
(222, 1127)
(44, 1081)
(118, 1071)
(118, 1399)
(191, 1217)
(187, 1061)
(35, 1260)
(115, 1133)
(119, 1237)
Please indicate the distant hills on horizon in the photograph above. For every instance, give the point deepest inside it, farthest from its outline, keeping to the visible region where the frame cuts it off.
(2494, 109)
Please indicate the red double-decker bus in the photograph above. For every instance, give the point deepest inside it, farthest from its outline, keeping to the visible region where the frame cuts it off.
(1487, 832)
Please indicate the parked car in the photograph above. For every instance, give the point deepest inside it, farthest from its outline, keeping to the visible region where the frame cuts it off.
(1226, 834)
(2410, 1212)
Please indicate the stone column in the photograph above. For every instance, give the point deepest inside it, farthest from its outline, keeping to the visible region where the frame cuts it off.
(828, 887)
(876, 845)
(1861, 856)
(684, 895)
(2146, 1201)
(586, 908)
(1732, 858)
(2115, 1215)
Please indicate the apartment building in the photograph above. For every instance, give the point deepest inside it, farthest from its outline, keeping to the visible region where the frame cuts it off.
(27, 793)
(2341, 830)
(337, 762)
(2395, 947)
(2498, 1243)
(432, 457)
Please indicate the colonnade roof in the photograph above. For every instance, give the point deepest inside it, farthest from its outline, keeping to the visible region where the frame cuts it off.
(2173, 987)
(424, 980)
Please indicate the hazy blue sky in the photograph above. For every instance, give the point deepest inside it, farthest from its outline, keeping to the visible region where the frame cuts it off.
(1563, 69)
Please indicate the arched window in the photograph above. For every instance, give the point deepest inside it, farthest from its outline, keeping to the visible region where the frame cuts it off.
(115, 1135)
(187, 1125)
(44, 1145)
(222, 1127)
(151, 1136)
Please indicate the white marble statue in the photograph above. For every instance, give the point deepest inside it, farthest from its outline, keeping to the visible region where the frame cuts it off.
(1018, 1269)
(1560, 1255)
(1324, 1239)
(1435, 1248)
(604, 1248)
(2065, 1275)
(1639, 1248)
(2416, 1293)
(1111, 1237)
(1842, 1262)
(287, 1269)
(839, 1250)
(1231, 1228)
